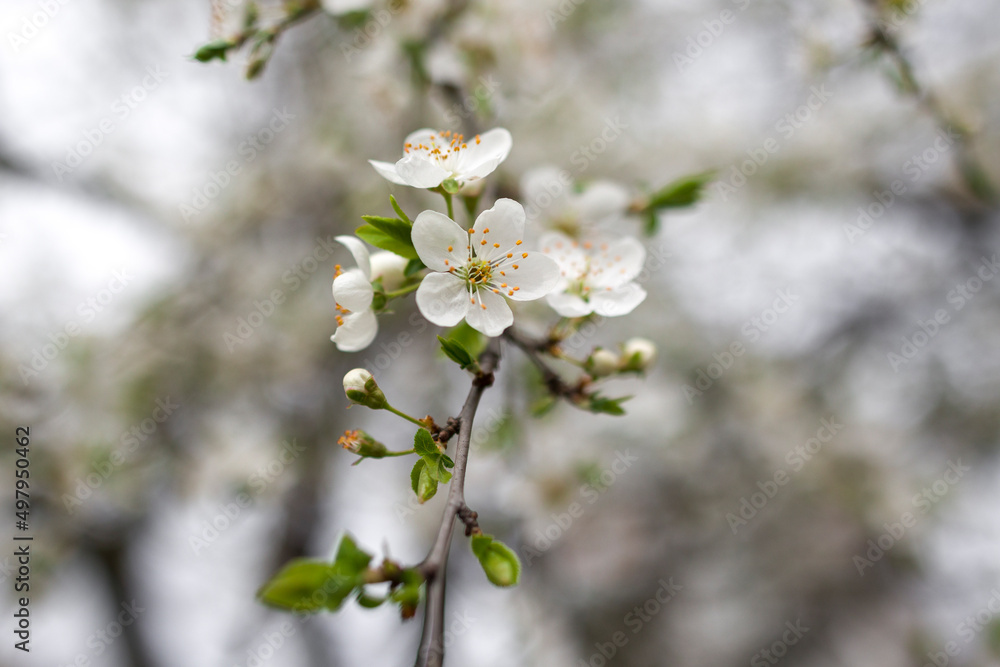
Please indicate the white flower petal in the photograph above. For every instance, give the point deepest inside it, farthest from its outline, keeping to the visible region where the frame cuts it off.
(338, 7)
(419, 172)
(602, 201)
(567, 253)
(357, 332)
(498, 230)
(421, 136)
(490, 314)
(387, 171)
(480, 159)
(535, 276)
(617, 301)
(360, 252)
(353, 291)
(616, 263)
(443, 299)
(390, 268)
(569, 305)
(440, 243)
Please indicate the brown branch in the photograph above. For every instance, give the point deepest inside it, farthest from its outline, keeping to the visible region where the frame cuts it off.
(433, 567)
(973, 174)
(533, 349)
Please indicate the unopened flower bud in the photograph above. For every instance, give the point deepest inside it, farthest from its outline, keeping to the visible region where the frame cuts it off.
(389, 267)
(602, 362)
(638, 354)
(362, 444)
(361, 388)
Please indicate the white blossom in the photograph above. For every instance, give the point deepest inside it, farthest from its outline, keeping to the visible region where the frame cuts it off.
(431, 157)
(595, 276)
(553, 201)
(475, 271)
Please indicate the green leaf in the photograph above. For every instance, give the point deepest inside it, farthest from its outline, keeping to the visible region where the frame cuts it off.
(350, 559)
(407, 596)
(418, 468)
(369, 602)
(424, 445)
(413, 267)
(438, 471)
(399, 211)
(427, 486)
(304, 586)
(500, 563)
(215, 49)
(608, 406)
(390, 234)
(682, 192)
(473, 341)
(456, 352)
(543, 406)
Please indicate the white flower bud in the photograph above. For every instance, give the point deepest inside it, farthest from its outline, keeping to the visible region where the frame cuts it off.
(389, 267)
(638, 354)
(602, 362)
(361, 388)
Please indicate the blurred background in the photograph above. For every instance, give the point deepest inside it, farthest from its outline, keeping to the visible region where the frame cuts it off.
(808, 474)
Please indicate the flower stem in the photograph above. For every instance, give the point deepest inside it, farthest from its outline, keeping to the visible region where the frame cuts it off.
(408, 451)
(402, 291)
(405, 416)
(471, 203)
(447, 201)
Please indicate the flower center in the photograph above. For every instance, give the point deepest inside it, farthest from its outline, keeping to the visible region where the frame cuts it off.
(479, 272)
(441, 147)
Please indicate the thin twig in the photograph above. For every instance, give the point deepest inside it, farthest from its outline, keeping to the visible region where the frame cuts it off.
(553, 381)
(971, 170)
(433, 568)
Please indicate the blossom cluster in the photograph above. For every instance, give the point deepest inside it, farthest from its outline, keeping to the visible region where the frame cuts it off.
(581, 265)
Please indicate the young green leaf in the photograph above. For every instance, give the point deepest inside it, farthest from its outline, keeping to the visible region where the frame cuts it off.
(500, 563)
(418, 468)
(413, 267)
(608, 406)
(682, 192)
(399, 211)
(390, 234)
(456, 352)
(350, 560)
(424, 445)
(427, 486)
(302, 586)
